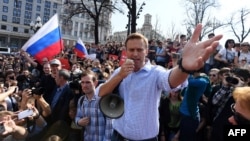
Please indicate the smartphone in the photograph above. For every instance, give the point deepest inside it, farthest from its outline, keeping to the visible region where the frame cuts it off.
(25, 114)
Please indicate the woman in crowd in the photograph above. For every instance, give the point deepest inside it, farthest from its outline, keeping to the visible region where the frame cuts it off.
(225, 57)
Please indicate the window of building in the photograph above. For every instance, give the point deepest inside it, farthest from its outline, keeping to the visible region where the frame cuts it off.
(86, 27)
(39, 1)
(76, 25)
(55, 5)
(54, 12)
(80, 34)
(82, 15)
(15, 20)
(45, 19)
(75, 33)
(46, 11)
(37, 14)
(47, 4)
(27, 15)
(4, 18)
(28, 6)
(87, 16)
(38, 8)
(14, 42)
(17, 4)
(85, 35)
(5, 9)
(27, 22)
(29, 1)
(81, 26)
(15, 29)
(4, 27)
(16, 12)
(5, 1)
(26, 30)
(91, 35)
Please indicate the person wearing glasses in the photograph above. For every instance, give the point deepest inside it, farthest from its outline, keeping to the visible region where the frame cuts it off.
(225, 57)
(222, 101)
(213, 76)
(241, 107)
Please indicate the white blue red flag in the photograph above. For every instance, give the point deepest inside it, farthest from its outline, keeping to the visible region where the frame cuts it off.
(80, 49)
(46, 42)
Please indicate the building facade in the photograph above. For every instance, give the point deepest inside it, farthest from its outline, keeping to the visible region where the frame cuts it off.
(146, 30)
(16, 16)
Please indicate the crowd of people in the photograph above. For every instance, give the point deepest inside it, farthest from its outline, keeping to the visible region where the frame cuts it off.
(173, 90)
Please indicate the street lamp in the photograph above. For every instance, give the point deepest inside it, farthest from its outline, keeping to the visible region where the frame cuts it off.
(140, 10)
(37, 25)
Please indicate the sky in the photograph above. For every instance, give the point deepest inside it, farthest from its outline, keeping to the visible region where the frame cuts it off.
(173, 11)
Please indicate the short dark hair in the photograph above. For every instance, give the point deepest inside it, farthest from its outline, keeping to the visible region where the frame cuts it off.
(90, 73)
(229, 40)
(64, 73)
(210, 34)
(182, 36)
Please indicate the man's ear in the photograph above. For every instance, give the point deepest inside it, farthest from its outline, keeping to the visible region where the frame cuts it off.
(96, 83)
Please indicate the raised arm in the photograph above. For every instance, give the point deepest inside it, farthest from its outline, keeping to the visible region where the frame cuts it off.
(194, 56)
(29, 59)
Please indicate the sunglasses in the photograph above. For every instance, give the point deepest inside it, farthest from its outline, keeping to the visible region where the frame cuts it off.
(238, 117)
(212, 75)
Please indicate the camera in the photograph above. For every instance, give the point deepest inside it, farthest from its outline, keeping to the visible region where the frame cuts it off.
(75, 85)
(37, 91)
(232, 80)
(176, 55)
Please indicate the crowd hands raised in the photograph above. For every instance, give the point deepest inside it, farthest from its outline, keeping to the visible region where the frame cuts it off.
(55, 95)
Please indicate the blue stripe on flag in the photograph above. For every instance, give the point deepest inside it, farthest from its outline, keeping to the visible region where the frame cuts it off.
(46, 41)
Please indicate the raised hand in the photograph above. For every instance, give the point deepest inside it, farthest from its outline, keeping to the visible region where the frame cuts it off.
(196, 53)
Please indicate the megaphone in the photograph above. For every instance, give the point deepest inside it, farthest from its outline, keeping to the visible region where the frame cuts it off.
(112, 106)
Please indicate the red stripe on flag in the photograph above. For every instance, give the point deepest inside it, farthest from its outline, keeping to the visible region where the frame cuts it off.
(49, 52)
(79, 53)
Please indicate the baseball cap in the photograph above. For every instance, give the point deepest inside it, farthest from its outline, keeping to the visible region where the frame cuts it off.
(55, 62)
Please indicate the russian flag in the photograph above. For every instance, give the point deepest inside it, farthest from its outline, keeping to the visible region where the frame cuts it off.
(80, 49)
(46, 42)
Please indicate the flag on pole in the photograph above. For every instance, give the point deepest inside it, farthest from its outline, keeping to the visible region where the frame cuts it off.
(46, 42)
(80, 49)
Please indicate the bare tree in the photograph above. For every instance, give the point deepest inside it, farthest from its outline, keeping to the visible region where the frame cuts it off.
(133, 13)
(94, 8)
(198, 12)
(238, 23)
(156, 27)
(172, 31)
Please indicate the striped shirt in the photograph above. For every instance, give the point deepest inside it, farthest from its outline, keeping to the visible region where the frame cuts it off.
(99, 128)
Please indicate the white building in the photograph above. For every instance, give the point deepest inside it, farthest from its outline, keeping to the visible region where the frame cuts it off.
(146, 29)
(16, 16)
